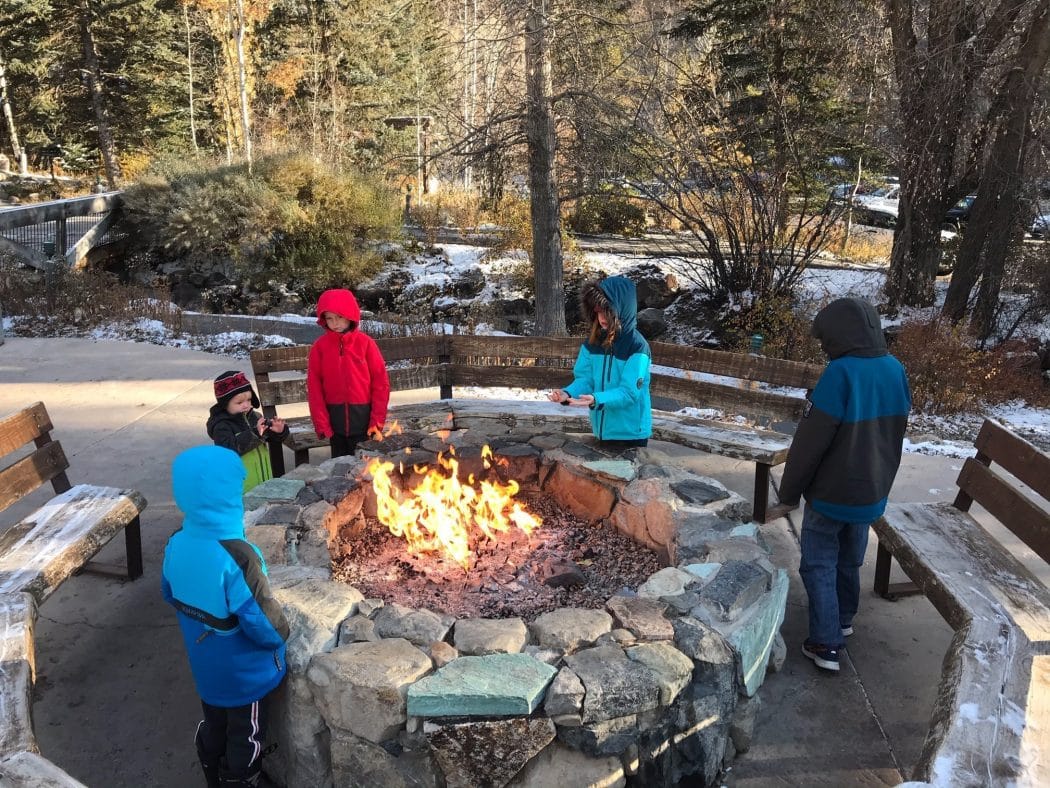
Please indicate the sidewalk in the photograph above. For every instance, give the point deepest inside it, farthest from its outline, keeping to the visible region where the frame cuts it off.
(114, 702)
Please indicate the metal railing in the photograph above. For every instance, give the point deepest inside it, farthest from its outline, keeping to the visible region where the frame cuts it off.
(60, 229)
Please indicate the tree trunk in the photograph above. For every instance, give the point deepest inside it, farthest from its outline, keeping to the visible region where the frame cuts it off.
(993, 229)
(189, 74)
(93, 80)
(9, 116)
(936, 78)
(546, 221)
(242, 83)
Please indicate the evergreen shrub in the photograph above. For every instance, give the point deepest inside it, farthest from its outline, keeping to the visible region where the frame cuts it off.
(290, 219)
(607, 214)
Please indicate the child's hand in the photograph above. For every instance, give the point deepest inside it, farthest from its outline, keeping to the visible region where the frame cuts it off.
(277, 425)
(583, 399)
(558, 396)
(375, 432)
(262, 426)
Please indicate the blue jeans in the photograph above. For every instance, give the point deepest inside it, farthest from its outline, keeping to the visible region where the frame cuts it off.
(832, 554)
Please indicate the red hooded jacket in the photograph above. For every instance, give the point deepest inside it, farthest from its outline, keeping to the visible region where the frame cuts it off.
(346, 382)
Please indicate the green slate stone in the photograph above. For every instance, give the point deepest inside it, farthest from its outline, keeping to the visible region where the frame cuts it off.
(272, 490)
(490, 686)
(617, 469)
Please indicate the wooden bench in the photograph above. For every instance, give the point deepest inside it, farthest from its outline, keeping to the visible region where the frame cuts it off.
(991, 720)
(690, 376)
(59, 538)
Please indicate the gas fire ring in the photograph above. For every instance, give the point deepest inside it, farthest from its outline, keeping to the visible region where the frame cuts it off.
(612, 628)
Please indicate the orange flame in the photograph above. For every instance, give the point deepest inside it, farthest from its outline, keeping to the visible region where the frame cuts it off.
(391, 429)
(441, 514)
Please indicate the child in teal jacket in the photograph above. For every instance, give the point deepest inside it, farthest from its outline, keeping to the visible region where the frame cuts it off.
(611, 374)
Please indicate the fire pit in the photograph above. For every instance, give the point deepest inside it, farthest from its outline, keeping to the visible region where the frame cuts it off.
(591, 618)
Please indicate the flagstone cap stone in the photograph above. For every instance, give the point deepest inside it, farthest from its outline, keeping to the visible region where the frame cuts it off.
(272, 491)
(643, 617)
(360, 687)
(615, 685)
(480, 636)
(616, 469)
(671, 667)
(570, 628)
(489, 686)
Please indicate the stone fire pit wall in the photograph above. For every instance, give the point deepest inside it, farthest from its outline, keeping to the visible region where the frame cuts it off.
(659, 685)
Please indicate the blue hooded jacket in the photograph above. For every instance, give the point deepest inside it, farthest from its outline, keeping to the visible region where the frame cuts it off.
(617, 376)
(233, 628)
(847, 448)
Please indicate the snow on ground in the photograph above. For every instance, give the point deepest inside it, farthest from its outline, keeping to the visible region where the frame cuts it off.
(928, 434)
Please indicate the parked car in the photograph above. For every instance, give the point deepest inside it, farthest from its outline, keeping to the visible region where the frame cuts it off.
(959, 213)
(879, 208)
(1040, 226)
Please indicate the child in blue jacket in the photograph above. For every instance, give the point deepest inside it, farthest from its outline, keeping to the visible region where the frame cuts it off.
(611, 374)
(843, 459)
(233, 628)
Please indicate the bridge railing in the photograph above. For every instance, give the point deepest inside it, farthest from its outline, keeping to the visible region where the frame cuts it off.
(41, 232)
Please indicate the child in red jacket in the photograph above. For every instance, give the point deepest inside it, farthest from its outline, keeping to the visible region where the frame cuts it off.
(346, 381)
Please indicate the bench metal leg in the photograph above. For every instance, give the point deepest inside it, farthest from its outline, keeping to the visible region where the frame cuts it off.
(761, 500)
(302, 457)
(883, 586)
(133, 548)
(277, 459)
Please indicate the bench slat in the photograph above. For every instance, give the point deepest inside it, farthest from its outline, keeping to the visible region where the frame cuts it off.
(406, 348)
(737, 365)
(33, 470)
(20, 428)
(1016, 455)
(1008, 505)
(731, 398)
(52, 543)
(466, 346)
(496, 375)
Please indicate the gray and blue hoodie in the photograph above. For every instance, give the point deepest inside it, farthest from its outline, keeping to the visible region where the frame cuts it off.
(233, 628)
(617, 375)
(847, 448)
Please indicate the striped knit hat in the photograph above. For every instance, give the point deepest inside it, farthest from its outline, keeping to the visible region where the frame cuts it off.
(231, 383)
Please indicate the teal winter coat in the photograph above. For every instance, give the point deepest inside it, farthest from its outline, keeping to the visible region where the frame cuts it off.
(617, 376)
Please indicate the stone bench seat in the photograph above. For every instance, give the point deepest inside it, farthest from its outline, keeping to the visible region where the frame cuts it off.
(37, 554)
(991, 720)
(58, 539)
(20, 761)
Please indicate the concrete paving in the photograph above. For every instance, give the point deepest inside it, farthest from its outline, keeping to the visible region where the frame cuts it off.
(114, 703)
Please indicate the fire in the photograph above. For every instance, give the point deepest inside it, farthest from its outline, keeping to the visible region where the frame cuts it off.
(441, 514)
(391, 429)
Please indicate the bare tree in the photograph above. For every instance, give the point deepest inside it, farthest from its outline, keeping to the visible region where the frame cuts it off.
(941, 52)
(543, 189)
(994, 215)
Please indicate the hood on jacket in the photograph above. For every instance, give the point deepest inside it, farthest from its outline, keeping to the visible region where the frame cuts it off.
(850, 327)
(340, 301)
(618, 295)
(208, 482)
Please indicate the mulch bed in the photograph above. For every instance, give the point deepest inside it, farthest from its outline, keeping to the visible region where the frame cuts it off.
(567, 562)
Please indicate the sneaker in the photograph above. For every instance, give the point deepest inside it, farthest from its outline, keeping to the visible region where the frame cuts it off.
(823, 656)
(847, 630)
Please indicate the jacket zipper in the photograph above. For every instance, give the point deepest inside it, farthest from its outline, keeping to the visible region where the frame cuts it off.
(346, 393)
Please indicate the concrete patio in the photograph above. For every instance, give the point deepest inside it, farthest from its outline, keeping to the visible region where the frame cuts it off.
(115, 704)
